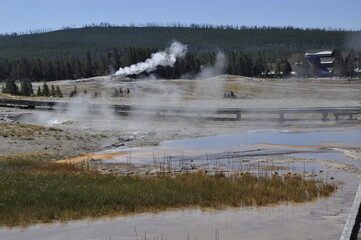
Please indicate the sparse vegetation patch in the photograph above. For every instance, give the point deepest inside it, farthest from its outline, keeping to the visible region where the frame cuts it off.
(22, 131)
(46, 192)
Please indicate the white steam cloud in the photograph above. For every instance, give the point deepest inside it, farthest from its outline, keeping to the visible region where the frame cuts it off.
(216, 69)
(210, 84)
(83, 109)
(164, 58)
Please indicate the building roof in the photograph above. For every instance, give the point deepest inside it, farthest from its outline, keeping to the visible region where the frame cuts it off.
(319, 53)
(327, 60)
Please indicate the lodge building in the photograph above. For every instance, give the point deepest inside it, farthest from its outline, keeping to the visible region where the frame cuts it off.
(323, 60)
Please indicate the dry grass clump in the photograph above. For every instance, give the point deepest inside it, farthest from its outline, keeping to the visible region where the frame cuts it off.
(50, 191)
(19, 130)
(11, 163)
(22, 131)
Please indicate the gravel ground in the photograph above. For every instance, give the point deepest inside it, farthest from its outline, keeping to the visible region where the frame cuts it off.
(81, 133)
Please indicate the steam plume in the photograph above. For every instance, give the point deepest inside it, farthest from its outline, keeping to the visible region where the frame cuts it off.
(208, 84)
(164, 58)
(216, 69)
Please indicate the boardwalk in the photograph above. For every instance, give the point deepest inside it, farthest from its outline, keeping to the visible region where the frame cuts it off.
(224, 114)
(352, 226)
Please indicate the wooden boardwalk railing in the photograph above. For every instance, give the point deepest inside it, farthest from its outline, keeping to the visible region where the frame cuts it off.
(352, 226)
(281, 114)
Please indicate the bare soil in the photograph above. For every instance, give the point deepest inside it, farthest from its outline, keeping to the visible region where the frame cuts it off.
(81, 133)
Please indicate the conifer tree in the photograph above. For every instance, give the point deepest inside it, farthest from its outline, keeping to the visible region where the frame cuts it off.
(115, 59)
(39, 92)
(46, 91)
(26, 88)
(49, 71)
(338, 66)
(105, 66)
(314, 70)
(285, 67)
(52, 90)
(304, 69)
(57, 69)
(69, 73)
(74, 92)
(30, 86)
(58, 92)
(11, 87)
(88, 67)
(78, 71)
(350, 64)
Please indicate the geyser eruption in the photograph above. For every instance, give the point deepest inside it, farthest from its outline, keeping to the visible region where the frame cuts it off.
(164, 58)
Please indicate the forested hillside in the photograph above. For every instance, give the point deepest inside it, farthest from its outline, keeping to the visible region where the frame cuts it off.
(101, 50)
(273, 42)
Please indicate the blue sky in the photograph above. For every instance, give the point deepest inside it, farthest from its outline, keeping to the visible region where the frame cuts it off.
(23, 15)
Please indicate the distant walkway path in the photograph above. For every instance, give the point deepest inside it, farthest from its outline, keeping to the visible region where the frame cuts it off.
(223, 114)
(351, 230)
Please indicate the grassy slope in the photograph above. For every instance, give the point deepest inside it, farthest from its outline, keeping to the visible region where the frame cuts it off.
(71, 42)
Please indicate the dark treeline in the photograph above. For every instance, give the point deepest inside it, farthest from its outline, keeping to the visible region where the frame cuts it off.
(169, 25)
(26, 89)
(60, 68)
(237, 63)
(273, 42)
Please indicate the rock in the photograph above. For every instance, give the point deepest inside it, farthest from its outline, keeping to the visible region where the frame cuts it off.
(115, 145)
(118, 144)
(126, 138)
